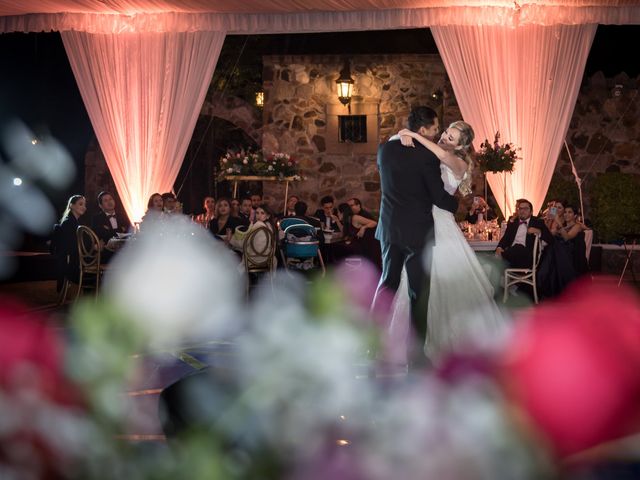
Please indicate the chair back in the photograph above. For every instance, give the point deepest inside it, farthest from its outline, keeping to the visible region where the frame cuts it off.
(588, 240)
(537, 253)
(88, 249)
(288, 221)
(259, 249)
(301, 241)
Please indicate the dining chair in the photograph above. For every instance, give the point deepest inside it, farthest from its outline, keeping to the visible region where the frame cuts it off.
(258, 253)
(513, 276)
(89, 257)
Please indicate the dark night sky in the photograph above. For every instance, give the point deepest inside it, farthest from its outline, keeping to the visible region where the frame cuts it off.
(37, 85)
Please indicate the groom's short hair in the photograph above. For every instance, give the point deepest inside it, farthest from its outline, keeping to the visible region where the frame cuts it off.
(421, 117)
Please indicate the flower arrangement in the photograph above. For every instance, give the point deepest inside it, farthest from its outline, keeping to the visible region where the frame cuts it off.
(494, 157)
(258, 163)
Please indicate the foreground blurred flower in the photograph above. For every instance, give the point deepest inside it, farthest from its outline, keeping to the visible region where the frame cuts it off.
(42, 426)
(573, 366)
(176, 282)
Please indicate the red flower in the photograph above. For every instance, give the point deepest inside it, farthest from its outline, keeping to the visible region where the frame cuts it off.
(574, 367)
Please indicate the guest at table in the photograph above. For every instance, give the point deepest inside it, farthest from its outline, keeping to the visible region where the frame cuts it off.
(235, 207)
(554, 216)
(223, 225)
(155, 204)
(171, 204)
(360, 233)
(356, 207)
(516, 245)
(246, 213)
(328, 215)
(65, 241)
(566, 259)
(107, 224)
(209, 213)
(300, 211)
(256, 201)
(290, 210)
(480, 211)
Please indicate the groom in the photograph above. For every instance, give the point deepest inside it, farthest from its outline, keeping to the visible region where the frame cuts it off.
(411, 184)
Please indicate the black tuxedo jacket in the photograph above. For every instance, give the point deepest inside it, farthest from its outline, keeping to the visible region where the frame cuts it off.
(512, 228)
(102, 226)
(411, 184)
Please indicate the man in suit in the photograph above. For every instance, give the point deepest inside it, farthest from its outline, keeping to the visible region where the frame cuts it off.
(327, 216)
(516, 245)
(411, 184)
(108, 223)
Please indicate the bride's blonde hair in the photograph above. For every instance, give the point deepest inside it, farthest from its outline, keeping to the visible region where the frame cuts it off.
(465, 150)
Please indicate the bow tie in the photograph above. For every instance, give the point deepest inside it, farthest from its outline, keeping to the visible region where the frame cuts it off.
(113, 215)
(523, 221)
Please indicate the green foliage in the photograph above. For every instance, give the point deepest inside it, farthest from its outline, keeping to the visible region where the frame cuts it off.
(615, 201)
(562, 189)
(495, 157)
(239, 68)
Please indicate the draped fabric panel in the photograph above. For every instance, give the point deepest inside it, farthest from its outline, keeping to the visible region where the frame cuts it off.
(524, 83)
(143, 93)
(237, 18)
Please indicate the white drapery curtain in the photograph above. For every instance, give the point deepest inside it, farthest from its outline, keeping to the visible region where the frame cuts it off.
(143, 93)
(524, 83)
(286, 16)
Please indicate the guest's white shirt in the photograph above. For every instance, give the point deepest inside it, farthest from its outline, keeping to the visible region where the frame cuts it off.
(521, 234)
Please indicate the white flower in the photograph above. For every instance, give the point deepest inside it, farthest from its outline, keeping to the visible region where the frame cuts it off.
(245, 161)
(176, 282)
(270, 168)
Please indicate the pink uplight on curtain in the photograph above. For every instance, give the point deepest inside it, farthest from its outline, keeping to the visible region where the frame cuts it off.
(523, 82)
(143, 93)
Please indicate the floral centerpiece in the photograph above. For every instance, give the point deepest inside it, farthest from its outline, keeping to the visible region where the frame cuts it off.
(258, 163)
(495, 157)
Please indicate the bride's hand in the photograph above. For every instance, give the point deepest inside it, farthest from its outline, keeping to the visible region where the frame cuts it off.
(406, 137)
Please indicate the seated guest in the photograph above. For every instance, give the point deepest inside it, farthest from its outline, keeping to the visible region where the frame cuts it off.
(327, 215)
(155, 204)
(246, 214)
(480, 211)
(107, 224)
(171, 204)
(554, 216)
(566, 259)
(223, 225)
(356, 208)
(300, 210)
(209, 213)
(290, 211)
(256, 200)
(235, 207)
(360, 233)
(65, 243)
(516, 245)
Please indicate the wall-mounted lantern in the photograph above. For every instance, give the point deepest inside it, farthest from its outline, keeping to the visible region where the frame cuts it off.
(345, 84)
(260, 99)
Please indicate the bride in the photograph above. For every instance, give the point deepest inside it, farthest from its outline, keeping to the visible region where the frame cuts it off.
(461, 304)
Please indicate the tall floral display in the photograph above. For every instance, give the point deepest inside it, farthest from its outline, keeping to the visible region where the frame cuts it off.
(259, 164)
(497, 158)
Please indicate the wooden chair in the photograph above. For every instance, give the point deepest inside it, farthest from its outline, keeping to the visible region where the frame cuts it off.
(89, 256)
(258, 253)
(513, 276)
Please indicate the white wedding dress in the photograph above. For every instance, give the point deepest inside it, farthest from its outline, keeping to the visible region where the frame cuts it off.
(461, 304)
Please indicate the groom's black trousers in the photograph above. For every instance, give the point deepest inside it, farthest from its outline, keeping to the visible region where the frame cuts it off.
(394, 257)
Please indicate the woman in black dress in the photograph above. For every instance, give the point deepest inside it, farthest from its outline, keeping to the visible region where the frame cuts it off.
(66, 241)
(223, 225)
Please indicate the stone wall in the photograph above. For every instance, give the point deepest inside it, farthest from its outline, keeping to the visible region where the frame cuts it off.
(604, 133)
(301, 111)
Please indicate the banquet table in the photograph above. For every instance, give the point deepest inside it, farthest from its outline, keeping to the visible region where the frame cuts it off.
(483, 245)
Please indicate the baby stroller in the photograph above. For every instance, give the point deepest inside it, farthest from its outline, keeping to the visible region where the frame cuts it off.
(300, 248)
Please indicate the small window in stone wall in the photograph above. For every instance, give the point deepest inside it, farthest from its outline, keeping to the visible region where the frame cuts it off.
(352, 128)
